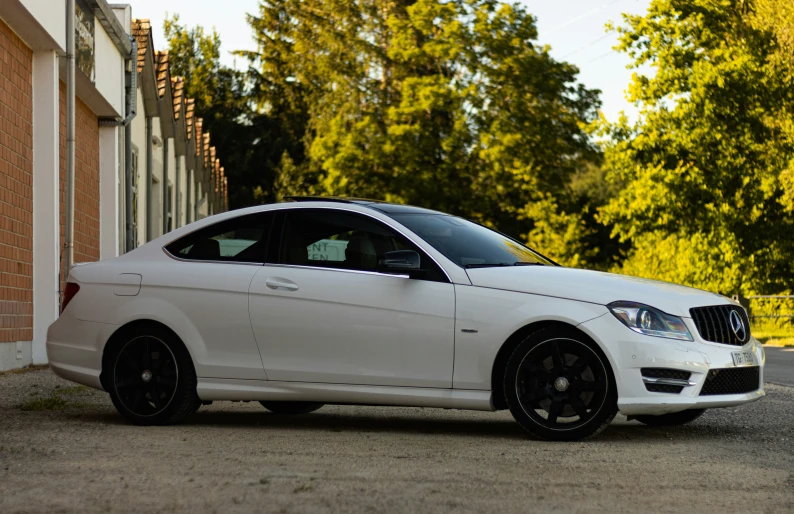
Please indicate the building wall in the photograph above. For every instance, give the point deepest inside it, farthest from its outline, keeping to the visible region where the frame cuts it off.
(86, 182)
(51, 14)
(16, 189)
(109, 70)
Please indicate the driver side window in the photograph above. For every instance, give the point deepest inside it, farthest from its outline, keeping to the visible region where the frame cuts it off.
(341, 240)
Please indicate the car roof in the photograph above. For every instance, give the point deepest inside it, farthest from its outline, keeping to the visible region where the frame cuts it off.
(384, 207)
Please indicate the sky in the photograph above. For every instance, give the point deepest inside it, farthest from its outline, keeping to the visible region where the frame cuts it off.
(574, 29)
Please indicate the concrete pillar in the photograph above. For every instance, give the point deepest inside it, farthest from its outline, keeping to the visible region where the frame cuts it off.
(45, 199)
(109, 149)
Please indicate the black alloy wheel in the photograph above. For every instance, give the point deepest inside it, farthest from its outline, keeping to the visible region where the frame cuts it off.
(291, 408)
(152, 379)
(673, 419)
(559, 386)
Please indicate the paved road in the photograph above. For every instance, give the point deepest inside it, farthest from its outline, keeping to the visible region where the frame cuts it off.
(779, 365)
(237, 458)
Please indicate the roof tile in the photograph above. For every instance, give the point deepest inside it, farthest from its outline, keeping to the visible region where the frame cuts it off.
(142, 32)
(178, 92)
(163, 72)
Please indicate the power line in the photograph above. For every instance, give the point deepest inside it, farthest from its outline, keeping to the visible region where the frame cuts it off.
(600, 57)
(588, 45)
(581, 17)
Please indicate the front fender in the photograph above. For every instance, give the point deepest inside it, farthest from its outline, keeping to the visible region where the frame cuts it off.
(486, 318)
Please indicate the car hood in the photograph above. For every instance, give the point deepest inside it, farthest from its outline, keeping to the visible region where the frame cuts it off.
(594, 287)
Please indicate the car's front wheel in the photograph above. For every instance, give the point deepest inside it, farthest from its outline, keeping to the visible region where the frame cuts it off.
(559, 386)
(291, 408)
(671, 420)
(152, 379)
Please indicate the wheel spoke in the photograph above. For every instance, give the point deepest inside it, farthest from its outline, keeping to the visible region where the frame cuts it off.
(537, 371)
(556, 356)
(154, 393)
(589, 386)
(534, 395)
(579, 407)
(126, 382)
(554, 411)
(581, 363)
(132, 365)
(146, 357)
(168, 382)
(136, 398)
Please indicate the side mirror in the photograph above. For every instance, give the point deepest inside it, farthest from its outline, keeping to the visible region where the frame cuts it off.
(402, 262)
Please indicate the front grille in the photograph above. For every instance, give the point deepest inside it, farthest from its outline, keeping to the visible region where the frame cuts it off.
(732, 381)
(714, 324)
(665, 373)
(663, 388)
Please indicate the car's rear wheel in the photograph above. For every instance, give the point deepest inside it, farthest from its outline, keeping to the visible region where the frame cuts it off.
(152, 379)
(671, 420)
(291, 408)
(559, 386)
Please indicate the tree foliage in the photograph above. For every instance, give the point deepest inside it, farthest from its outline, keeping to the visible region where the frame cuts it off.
(705, 187)
(245, 141)
(451, 105)
(454, 105)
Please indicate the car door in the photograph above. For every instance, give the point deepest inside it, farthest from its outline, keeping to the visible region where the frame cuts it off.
(322, 313)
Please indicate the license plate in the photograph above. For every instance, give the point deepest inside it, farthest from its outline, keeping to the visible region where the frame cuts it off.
(744, 359)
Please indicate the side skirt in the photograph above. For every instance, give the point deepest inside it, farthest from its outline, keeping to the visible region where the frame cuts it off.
(220, 389)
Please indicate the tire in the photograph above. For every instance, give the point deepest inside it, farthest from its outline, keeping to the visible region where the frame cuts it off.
(555, 375)
(673, 419)
(151, 377)
(291, 408)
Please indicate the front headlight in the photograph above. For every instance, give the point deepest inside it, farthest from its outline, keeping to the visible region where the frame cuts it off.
(649, 321)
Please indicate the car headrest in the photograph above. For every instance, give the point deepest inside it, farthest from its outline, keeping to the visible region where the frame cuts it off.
(205, 250)
(360, 254)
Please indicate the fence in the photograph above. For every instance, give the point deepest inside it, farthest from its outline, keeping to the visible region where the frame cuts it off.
(778, 307)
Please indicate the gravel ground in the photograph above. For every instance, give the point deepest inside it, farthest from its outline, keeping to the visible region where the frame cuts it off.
(71, 452)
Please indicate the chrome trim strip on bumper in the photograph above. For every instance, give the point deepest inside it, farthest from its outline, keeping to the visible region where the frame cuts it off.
(668, 381)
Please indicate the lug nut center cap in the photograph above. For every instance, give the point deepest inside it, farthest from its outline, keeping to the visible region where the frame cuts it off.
(561, 384)
(146, 376)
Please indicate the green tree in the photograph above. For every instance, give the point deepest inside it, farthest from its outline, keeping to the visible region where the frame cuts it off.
(221, 99)
(451, 105)
(703, 173)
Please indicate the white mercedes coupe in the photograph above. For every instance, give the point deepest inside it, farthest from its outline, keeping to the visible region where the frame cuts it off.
(347, 301)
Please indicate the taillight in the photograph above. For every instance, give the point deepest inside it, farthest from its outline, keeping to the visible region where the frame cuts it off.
(68, 294)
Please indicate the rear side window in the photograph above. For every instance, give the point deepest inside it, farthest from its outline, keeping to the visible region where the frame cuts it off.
(241, 239)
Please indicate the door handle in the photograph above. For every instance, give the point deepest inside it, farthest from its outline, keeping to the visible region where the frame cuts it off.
(281, 283)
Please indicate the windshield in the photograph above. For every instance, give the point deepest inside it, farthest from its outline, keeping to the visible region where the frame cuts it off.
(468, 244)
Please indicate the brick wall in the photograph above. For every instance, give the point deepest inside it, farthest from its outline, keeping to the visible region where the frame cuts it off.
(16, 188)
(86, 190)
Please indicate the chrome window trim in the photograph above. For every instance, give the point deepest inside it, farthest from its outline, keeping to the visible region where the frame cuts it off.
(180, 259)
(342, 270)
(286, 209)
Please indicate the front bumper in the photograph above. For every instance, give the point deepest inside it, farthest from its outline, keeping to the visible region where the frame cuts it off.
(629, 352)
